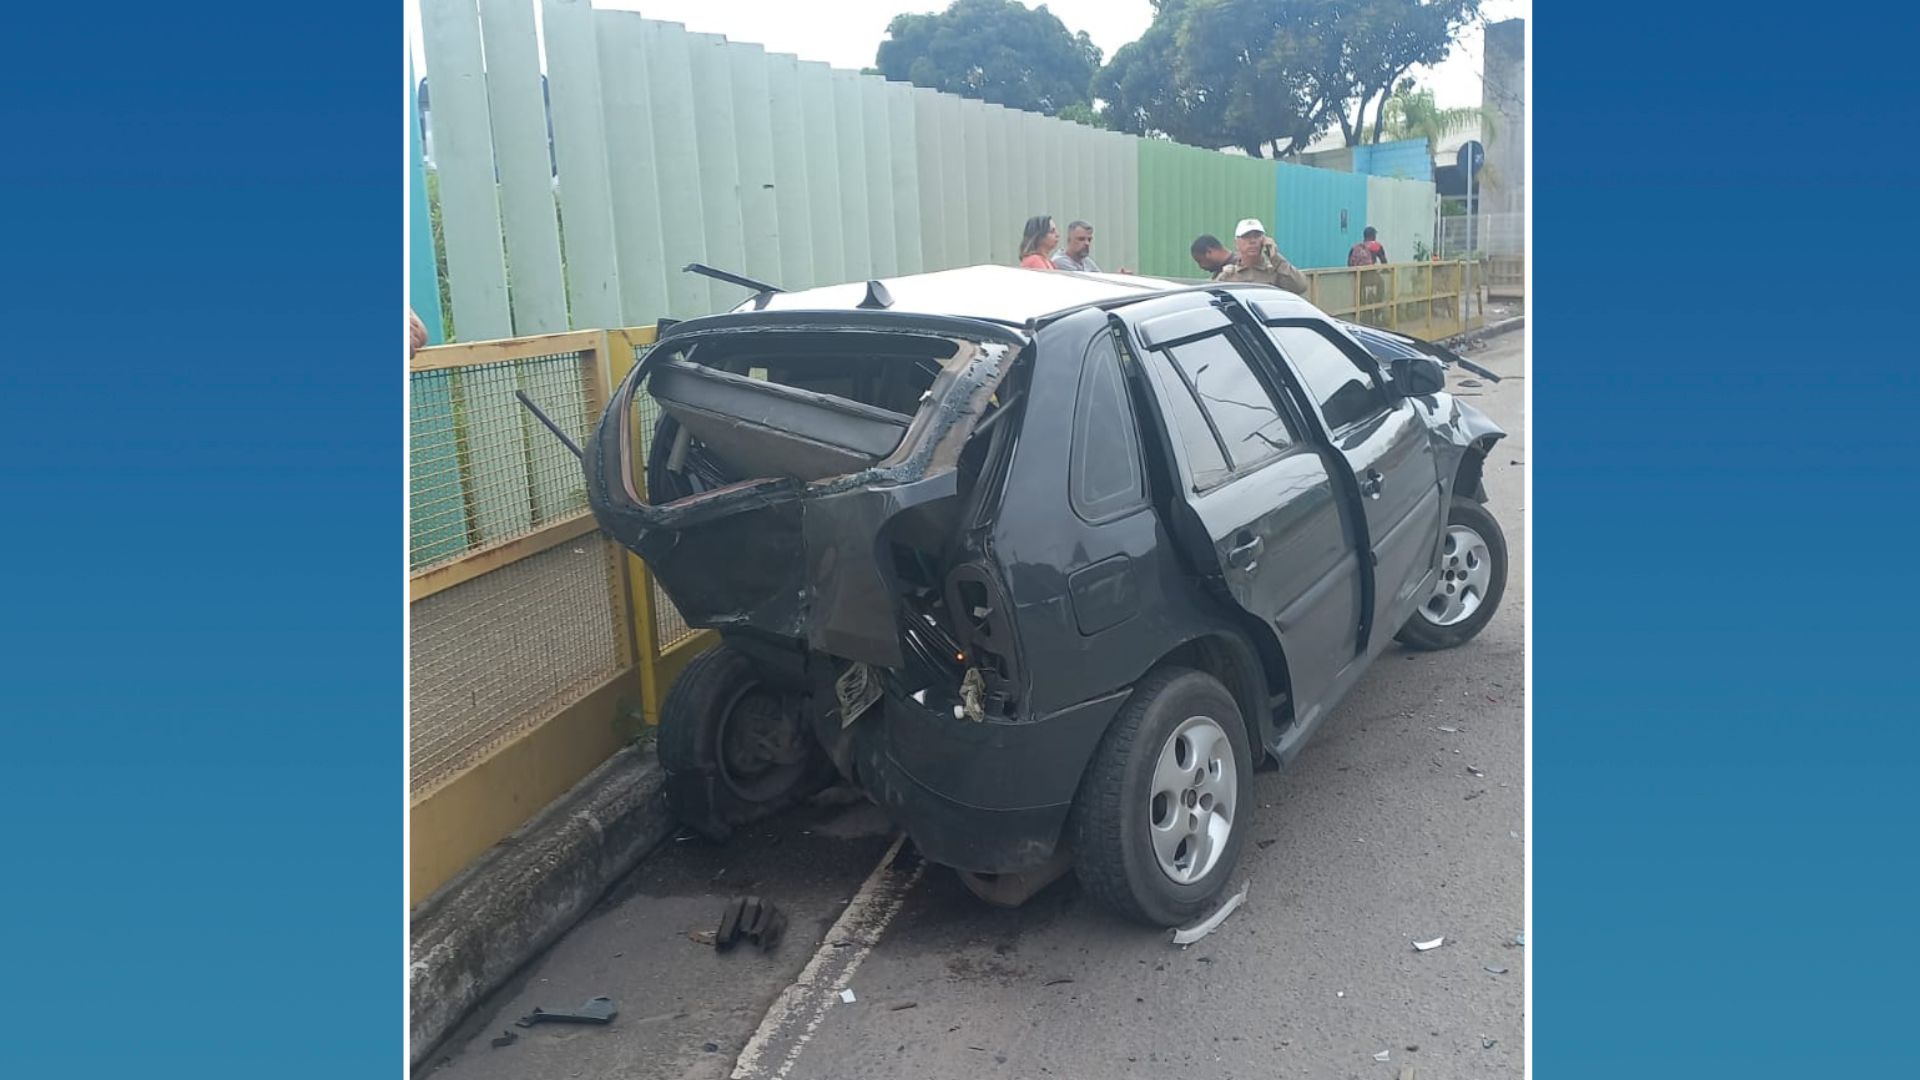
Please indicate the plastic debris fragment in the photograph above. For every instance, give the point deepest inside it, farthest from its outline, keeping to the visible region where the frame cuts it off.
(1212, 922)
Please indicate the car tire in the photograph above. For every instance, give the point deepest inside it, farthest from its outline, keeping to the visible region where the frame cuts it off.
(1473, 563)
(734, 745)
(1127, 836)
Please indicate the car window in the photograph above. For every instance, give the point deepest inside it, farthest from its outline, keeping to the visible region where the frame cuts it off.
(1346, 391)
(1106, 478)
(1249, 421)
(1204, 459)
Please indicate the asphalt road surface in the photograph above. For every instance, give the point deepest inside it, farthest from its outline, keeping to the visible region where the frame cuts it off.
(1401, 821)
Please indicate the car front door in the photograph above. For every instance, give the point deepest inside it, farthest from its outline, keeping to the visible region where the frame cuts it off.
(1390, 453)
(1264, 496)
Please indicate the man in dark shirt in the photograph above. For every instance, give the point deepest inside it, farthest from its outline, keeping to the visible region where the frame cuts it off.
(1211, 255)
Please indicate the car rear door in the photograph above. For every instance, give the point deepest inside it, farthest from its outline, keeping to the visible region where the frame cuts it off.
(1263, 494)
(1390, 454)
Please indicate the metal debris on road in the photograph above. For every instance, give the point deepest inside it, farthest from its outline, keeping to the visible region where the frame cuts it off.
(1059, 982)
(1486, 1043)
(1212, 922)
(1381, 1056)
(1423, 946)
(750, 917)
(847, 997)
(1495, 969)
(1449, 730)
(600, 1010)
(903, 1006)
(505, 1038)
(1475, 770)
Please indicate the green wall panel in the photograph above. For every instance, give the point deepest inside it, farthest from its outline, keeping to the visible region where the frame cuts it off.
(1184, 191)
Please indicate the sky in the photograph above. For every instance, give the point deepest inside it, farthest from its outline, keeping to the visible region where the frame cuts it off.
(851, 34)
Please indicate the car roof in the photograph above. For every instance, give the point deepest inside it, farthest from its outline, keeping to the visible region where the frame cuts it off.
(1005, 294)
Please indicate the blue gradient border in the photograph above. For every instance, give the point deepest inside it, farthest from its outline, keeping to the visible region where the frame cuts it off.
(1725, 735)
(201, 564)
(201, 428)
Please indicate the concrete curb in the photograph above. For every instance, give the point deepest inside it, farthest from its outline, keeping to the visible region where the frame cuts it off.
(1485, 332)
(472, 934)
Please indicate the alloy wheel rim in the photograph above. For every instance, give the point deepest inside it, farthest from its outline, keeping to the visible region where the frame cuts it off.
(1195, 792)
(1466, 572)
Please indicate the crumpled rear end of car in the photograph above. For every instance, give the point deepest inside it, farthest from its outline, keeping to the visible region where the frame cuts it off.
(802, 474)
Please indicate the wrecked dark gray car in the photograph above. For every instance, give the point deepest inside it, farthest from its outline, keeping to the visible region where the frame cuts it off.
(1045, 564)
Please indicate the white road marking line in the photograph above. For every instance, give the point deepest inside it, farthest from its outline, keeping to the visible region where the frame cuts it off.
(801, 1007)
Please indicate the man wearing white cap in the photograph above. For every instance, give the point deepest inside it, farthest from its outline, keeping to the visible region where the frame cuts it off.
(1260, 260)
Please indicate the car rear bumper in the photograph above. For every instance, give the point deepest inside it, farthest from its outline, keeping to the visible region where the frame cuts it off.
(990, 797)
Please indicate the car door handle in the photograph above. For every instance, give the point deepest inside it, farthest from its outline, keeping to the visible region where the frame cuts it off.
(1242, 556)
(1370, 483)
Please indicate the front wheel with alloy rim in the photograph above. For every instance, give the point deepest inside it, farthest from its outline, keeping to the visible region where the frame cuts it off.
(1473, 575)
(734, 745)
(1159, 820)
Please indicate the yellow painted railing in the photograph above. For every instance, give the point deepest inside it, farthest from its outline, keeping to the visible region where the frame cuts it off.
(1428, 300)
(538, 646)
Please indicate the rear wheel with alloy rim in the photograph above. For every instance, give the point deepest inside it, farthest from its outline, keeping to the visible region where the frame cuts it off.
(1157, 825)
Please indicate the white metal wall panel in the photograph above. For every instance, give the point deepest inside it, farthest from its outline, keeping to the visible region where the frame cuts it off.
(879, 166)
(790, 179)
(676, 155)
(580, 146)
(823, 176)
(753, 128)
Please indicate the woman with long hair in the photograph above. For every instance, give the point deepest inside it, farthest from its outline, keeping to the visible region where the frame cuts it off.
(1037, 242)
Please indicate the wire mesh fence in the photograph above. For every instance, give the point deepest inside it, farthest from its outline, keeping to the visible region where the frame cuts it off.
(484, 470)
(495, 656)
(1457, 236)
(523, 613)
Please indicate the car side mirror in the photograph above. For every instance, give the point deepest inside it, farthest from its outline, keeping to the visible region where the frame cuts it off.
(1417, 376)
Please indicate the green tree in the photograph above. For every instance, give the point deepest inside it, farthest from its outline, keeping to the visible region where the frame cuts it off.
(1262, 75)
(1081, 112)
(1384, 39)
(997, 51)
(1269, 76)
(1413, 114)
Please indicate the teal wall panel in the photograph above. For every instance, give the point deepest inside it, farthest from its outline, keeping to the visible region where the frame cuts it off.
(423, 276)
(1317, 214)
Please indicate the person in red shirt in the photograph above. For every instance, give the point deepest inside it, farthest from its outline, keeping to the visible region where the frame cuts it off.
(1368, 251)
(1037, 242)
